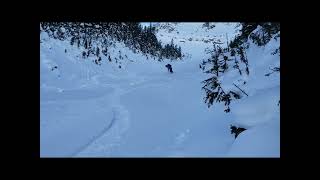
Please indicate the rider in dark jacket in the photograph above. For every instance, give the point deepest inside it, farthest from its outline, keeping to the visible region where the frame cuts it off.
(169, 68)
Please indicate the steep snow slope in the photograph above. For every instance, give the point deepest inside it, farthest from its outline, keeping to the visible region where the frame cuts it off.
(195, 33)
(260, 112)
(141, 110)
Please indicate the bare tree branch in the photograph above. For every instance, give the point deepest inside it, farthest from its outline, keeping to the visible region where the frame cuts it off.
(240, 89)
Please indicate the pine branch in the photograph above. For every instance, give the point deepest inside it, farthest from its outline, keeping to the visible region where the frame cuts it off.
(275, 69)
(240, 89)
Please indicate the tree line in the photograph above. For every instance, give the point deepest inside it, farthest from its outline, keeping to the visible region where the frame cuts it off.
(132, 34)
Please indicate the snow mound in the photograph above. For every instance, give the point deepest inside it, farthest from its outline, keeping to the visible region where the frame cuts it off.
(257, 109)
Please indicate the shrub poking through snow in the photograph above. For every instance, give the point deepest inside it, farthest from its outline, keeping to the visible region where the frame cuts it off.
(55, 67)
(236, 130)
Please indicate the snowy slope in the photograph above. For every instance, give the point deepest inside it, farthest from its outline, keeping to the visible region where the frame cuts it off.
(141, 110)
(259, 112)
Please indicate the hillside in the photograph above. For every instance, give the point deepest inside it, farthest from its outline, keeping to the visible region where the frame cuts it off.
(141, 110)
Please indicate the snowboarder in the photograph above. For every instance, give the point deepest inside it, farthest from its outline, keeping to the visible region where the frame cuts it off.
(169, 68)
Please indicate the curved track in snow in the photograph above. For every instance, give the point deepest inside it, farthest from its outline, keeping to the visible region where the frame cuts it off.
(95, 137)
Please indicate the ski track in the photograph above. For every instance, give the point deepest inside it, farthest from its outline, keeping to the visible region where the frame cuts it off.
(110, 137)
(111, 134)
(95, 137)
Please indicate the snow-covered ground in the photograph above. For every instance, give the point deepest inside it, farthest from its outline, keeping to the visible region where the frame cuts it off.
(141, 110)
